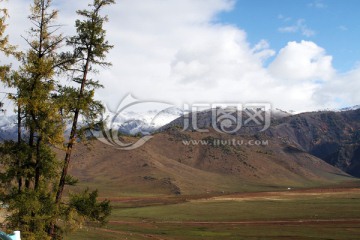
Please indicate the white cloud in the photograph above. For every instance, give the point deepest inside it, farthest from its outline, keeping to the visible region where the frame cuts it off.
(342, 90)
(262, 50)
(343, 28)
(317, 4)
(304, 61)
(217, 53)
(289, 29)
(284, 18)
(175, 51)
(300, 27)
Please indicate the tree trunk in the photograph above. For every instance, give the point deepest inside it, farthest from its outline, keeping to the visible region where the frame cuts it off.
(72, 139)
(37, 164)
(19, 177)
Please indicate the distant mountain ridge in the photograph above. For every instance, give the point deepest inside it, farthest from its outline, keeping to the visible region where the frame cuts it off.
(329, 135)
(333, 136)
(8, 127)
(130, 123)
(356, 107)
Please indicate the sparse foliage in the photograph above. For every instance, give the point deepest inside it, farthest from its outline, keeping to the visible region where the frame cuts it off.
(5, 47)
(90, 48)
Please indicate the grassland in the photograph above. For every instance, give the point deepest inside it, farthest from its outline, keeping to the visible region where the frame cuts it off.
(331, 214)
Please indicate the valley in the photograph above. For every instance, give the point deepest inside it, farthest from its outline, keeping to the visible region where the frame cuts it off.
(192, 185)
(325, 213)
(169, 190)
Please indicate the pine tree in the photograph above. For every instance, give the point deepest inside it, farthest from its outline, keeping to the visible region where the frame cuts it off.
(3, 40)
(5, 73)
(5, 47)
(31, 160)
(32, 178)
(90, 49)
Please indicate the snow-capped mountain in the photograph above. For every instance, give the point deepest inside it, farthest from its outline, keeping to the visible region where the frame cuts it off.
(128, 122)
(8, 127)
(131, 123)
(279, 113)
(144, 123)
(356, 107)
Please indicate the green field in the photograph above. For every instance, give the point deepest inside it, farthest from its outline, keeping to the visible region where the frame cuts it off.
(325, 214)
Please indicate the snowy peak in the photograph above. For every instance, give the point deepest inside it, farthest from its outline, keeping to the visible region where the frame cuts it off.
(144, 123)
(130, 122)
(8, 128)
(356, 107)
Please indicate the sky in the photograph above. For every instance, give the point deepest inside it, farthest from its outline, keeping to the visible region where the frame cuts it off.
(299, 55)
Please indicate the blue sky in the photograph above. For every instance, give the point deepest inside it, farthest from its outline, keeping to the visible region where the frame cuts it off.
(335, 24)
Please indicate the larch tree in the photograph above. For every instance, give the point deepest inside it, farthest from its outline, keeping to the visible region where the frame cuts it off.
(31, 162)
(3, 40)
(5, 47)
(32, 178)
(90, 48)
(77, 103)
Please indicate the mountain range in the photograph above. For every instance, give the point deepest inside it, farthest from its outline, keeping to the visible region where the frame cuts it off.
(297, 150)
(129, 123)
(333, 136)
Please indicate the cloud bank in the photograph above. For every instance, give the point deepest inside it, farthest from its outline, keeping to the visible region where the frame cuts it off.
(178, 51)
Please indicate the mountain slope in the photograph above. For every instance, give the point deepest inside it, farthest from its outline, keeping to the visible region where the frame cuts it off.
(331, 136)
(190, 162)
(168, 164)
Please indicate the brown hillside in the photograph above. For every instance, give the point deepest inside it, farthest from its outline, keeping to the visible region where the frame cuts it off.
(165, 165)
